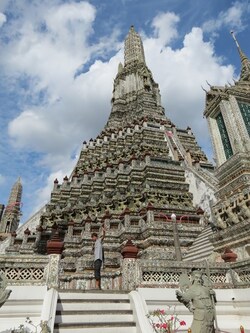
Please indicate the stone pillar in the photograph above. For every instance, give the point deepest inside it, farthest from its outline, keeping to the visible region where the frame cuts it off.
(176, 238)
(54, 250)
(52, 271)
(130, 266)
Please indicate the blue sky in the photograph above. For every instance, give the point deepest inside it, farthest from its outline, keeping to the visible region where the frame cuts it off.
(59, 58)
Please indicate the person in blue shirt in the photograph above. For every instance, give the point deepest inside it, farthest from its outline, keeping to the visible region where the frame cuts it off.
(98, 256)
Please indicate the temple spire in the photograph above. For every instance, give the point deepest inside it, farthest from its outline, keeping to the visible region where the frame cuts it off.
(11, 216)
(245, 62)
(133, 51)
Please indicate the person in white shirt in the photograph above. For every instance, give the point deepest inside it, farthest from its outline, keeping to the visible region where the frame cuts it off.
(98, 256)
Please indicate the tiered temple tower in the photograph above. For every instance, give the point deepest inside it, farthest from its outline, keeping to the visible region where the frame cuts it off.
(130, 178)
(228, 114)
(11, 215)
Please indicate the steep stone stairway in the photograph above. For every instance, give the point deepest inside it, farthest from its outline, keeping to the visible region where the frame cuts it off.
(94, 312)
(201, 247)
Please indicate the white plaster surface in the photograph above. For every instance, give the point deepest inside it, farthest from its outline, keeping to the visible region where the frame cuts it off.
(24, 301)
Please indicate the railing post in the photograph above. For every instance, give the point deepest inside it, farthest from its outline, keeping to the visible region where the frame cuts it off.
(54, 250)
(130, 267)
(176, 238)
(52, 276)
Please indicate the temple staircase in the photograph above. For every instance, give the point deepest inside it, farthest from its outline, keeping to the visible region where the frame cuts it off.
(94, 312)
(201, 247)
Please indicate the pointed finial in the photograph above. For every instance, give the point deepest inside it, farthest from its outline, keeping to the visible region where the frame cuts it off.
(245, 63)
(203, 89)
(208, 84)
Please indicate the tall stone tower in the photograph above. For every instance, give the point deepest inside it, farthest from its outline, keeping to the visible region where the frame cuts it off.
(228, 115)
(130, 178)
(135, 93)
(11, 216)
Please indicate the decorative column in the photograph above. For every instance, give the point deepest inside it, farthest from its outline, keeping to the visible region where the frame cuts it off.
(130, 266)
(150, 213)
(176, 238)
(54, 250)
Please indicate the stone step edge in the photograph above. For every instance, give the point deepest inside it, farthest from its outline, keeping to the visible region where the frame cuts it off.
(200, 242)
(206, 246)
(24, 302)
(198, 246)
(90, 325)
(198, 258)
(202, 237)
(92, 291)
(198, 253)
(100, 300)
(20, 315)
(93, 312)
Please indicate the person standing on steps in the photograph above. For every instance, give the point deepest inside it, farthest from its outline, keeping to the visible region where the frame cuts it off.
(98, 256)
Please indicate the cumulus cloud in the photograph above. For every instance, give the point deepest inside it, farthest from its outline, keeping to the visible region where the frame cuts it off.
(231, 18)
(3, 19)
(164, 25)
(50, 57)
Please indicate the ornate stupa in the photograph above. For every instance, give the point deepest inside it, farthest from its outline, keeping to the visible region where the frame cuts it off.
(132, 178)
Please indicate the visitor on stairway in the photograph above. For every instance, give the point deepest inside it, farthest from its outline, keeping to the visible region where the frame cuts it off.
(98, 256)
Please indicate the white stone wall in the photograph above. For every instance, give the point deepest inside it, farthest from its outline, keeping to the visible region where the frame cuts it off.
(24, 301)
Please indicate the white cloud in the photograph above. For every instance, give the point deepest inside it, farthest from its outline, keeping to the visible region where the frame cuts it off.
(49, 58)
(231, 18)
(78, 114)
(53, 45)
(3, 19)
(164, 25)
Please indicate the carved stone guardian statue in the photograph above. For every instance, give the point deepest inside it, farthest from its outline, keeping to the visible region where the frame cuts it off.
(199, 298)
(4, 293)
